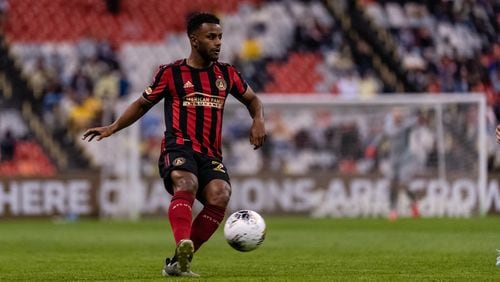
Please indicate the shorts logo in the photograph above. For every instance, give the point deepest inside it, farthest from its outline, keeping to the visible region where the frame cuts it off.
(148, 90)
(218, 167)
(179, 161)
(221, 83)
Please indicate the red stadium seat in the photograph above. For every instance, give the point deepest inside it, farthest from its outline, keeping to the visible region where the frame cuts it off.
(29, 160)
(31, 20)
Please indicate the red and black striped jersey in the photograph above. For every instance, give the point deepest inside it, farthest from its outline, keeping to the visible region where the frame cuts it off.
(194, 103)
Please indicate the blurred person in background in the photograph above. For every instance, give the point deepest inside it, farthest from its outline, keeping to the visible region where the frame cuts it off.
(190, 163)
(7, 146)
(4, 8)
(402, 163)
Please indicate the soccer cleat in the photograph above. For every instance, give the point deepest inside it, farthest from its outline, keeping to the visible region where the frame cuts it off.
(180, 264)
(189, 274)
(415, 213)
(172, 268)
(184, 254)
(393, 215)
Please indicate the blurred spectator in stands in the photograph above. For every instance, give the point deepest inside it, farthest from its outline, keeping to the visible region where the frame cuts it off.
(446, 70)
(81, 83)
(462, 83)
(369, 86)
(483, 86)
(7, 146)
(106, 52)
(40, 76)
(495, 78)
(93, 68)
(107, 90)
(50, 102)
(123, 84)
(282, 140)
(86, 47)
(107, 86)
(85, 113)
(433, 86)
(350, 147)
(363, 57)
(4, 8)
(310, 34)
(348, 85)
(113, 6)
(250, 59)
(251, 49)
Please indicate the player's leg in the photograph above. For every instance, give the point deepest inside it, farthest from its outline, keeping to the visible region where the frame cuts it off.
(408, 173)
(178, 169)
(184, 187)
(393, 199)
(415, 212)
(214, 194)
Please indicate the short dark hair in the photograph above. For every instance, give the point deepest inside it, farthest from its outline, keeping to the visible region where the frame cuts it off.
(195, 20)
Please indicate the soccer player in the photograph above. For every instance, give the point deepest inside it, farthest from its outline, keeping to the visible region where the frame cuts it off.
(402, 161)
(195, 90)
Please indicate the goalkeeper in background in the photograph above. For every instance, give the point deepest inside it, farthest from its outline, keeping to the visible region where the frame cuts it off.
(409, 142)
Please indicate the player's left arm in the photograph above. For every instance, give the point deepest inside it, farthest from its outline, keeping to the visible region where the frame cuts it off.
(256, 110)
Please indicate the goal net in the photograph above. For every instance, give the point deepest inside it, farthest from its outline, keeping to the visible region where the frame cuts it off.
(441, 144)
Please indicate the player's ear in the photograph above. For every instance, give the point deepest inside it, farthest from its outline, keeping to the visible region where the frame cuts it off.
(194, 40)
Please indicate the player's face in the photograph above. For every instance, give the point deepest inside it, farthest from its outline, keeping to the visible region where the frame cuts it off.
(207, 41)
(397, 115)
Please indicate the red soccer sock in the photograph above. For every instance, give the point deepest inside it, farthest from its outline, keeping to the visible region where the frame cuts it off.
(180, 214)
(205, 224)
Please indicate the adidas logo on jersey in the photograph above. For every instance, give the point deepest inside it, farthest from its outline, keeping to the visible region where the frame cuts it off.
(188, 84)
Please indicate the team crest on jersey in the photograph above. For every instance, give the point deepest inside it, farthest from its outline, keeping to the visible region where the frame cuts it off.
(221, 83)
(179, 161)
(148, 90)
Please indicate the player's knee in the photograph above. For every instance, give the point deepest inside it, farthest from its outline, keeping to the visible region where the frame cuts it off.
(184, 181)
(218, 194)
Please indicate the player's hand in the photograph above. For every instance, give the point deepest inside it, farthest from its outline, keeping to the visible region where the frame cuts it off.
(257, 134)
(498, 133)
(99, 132)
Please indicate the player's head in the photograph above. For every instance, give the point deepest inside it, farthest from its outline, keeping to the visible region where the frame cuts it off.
(205, 35)
(397, 115)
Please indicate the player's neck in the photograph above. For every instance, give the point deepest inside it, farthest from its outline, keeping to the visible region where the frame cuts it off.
(197, 62)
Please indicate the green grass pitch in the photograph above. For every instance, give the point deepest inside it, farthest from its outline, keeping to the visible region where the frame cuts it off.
(296, 249)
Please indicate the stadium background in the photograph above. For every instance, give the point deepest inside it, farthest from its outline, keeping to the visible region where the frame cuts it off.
(68, 65)
(329, 73)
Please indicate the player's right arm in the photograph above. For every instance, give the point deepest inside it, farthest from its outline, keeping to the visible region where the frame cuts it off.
(151, 95)
(133, 112)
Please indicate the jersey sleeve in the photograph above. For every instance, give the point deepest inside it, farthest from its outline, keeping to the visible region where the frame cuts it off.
(239, 85)
(155, 92)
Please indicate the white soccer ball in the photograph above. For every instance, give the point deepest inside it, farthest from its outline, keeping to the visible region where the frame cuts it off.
(245, 230)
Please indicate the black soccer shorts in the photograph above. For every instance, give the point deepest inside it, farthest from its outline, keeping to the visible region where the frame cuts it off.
(181, 157)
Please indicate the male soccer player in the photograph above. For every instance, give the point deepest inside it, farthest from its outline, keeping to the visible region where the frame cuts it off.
(195, 90)
(402, 162)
